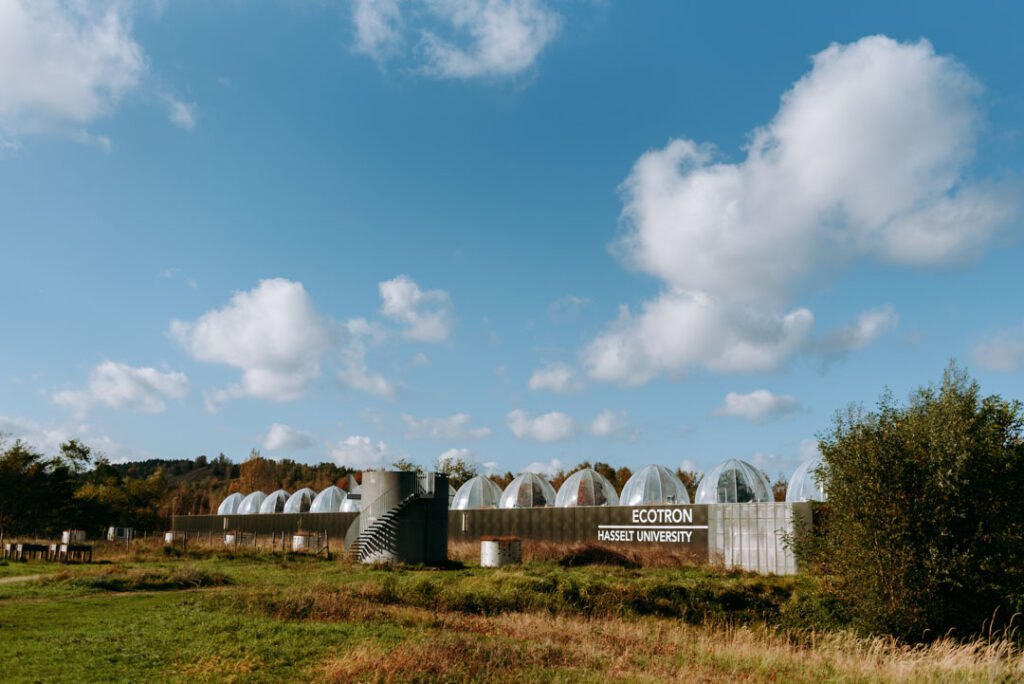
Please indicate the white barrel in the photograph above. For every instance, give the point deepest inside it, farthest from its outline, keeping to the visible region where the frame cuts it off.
(302, 542)
(229, 540)
(171, 537)
(494, 553)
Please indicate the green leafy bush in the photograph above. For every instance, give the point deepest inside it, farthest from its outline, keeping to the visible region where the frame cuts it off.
(924, 530)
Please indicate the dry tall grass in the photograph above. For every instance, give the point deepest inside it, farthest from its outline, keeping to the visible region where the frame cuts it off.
(532, 647)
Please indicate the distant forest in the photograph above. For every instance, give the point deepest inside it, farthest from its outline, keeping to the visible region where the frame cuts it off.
(41, 495)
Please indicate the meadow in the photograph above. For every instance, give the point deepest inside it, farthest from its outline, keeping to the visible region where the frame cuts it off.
(565, 614)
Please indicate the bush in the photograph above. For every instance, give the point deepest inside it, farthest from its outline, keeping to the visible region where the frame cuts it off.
(925, 531)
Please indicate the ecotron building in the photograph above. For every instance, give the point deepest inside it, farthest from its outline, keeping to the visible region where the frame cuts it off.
(410, 517)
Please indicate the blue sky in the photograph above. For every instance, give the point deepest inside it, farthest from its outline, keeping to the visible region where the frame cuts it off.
(526, 232)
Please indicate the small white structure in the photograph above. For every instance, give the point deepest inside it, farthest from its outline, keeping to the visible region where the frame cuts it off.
(173, 536)
(275, 501)
(527, 490)
(329, 500)
(303, 542)
(120, 533)
(251, 504)
(653, 485)
(734, 481)
(300, 501)
(476, 492)
(499, 551)
(805, 484)
(229, 539)
(586, 487)
(72, 536)
(230, 504)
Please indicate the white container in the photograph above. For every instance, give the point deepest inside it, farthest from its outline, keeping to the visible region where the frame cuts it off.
(72, 536)
(494, 553)
(229, 540)
(303, 542)
(171, 537)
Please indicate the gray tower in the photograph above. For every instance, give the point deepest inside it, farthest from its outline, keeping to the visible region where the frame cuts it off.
(403, 518)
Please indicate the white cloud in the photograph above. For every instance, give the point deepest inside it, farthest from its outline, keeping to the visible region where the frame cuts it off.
(867, 157)
(64, 64)
(48, 439)
(680, 329)
(426, 314)
(469, 457)
(758, 405)
(273, 333)
(456, 427)
(608, 423)
(550, 427)
(122, 386)
(556, 377)
(458, 39)
(378, 27)
(1003, 352)
(420, 359)
(808, 449)
(354, 372)
(546, 468)
(181, 114)
(286, 438)
(868, 327)
(363, 453)
(567, 308)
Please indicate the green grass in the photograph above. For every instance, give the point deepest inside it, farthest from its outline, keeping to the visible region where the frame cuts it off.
(260, 617)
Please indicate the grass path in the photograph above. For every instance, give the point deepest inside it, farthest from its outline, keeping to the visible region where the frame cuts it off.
(21, 578)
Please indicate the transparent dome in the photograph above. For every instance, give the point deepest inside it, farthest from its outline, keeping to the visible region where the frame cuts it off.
(653, 484)
(275, 501)
(328, 501)
(734, 481)
(350, 505)
(586, 487)
(805, 484)
(528, 490)
(300, 501)
(229, 506)
(251, 504)
(477, 492)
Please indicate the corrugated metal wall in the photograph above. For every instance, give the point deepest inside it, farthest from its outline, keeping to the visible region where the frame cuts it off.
(334, 524)
(753, 536)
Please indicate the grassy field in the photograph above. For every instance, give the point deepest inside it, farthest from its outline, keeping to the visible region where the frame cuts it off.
(208, 616)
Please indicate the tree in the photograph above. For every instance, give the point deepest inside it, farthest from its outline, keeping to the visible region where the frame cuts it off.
(407, 466)
(691, 480)
(457, 470)
(779, 488)
(924, 530)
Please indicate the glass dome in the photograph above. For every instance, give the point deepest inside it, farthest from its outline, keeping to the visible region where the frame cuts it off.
(275, 501)
(451, 495)
(805, 484)
(328, 501)
(300, 501)
(653, 484)
(528, 490)
(229, 506)
(477, 492)
(350, 505)
(586, 487)
(734, 481)
(251, 504)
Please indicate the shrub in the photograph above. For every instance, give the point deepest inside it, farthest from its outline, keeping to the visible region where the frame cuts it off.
(925, 531)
